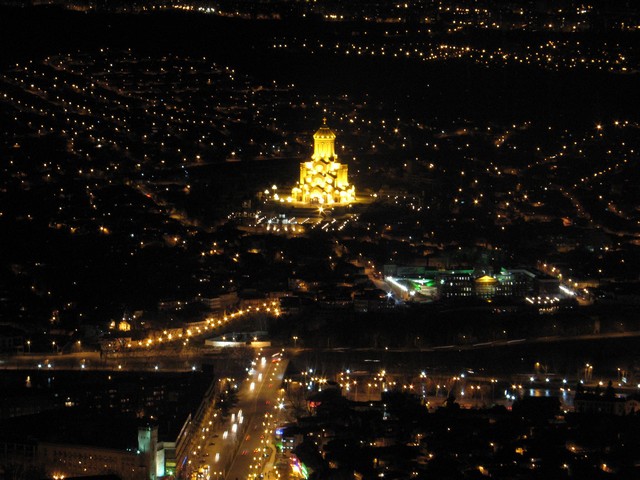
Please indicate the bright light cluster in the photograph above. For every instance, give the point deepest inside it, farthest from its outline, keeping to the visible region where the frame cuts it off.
(209, 324)
(323, 180)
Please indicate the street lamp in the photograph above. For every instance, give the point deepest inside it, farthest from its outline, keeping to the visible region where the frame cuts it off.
(295, 341)
(29, 346)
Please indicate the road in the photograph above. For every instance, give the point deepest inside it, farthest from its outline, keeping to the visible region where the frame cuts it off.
(138, 361)
(92, 361)
(242, 445)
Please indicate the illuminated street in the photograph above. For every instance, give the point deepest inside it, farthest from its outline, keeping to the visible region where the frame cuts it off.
(242, 446)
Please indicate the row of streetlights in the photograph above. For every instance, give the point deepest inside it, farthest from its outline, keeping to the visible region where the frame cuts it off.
(54, 346)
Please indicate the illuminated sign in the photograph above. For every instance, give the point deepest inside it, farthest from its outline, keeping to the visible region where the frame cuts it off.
(298, 467)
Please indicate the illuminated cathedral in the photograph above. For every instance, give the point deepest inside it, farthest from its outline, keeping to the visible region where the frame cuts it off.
(323, 180)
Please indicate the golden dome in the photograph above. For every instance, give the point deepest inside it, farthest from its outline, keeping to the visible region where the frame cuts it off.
(324, 132)
(486, 279)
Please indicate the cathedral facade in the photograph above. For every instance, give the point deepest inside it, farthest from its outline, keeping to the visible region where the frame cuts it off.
(324, 180)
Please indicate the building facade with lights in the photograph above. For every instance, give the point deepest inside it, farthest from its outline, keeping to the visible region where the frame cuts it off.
(323, 180)
(425, 284)
(60, 460)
